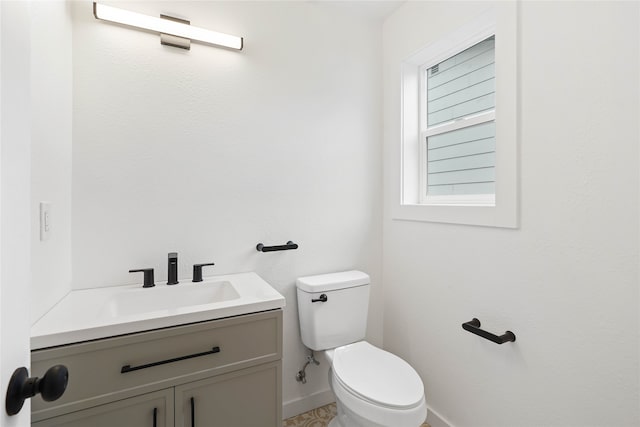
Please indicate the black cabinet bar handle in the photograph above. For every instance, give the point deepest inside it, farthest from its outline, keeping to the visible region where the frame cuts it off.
(290, 245)
(155, 417)
(473, 326)
(129, 368)
(193, 412)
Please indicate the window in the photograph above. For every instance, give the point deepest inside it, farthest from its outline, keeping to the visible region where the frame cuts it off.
(458, 155)
(457, 150)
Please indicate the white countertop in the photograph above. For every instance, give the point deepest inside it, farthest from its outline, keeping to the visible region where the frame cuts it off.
(89, 314)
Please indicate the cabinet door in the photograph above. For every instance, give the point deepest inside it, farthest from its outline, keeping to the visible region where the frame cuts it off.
(147, 410)
(250, 397)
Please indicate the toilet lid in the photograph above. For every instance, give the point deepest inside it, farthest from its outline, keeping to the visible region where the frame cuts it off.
(377, 375)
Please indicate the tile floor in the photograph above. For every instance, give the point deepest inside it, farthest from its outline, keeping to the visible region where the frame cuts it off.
(318, 417)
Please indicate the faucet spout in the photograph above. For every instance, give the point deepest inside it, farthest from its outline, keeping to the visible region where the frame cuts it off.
(172, 273)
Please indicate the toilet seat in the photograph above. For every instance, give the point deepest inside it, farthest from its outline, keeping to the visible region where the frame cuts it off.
(377, 376)
(364, 391)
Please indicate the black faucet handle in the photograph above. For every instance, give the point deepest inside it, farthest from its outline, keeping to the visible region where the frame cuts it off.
(197, 271)
(148, 276)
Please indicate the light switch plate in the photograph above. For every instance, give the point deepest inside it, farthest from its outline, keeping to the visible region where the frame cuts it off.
(45, 220)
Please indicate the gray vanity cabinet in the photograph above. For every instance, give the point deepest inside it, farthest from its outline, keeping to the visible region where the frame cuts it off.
(242, 399)
(152, 409)
(230, 367)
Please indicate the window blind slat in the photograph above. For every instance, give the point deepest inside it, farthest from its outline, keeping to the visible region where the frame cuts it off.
(462, 177)
(463, 163)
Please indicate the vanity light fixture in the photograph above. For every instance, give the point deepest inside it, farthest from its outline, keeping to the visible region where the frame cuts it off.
(166, 26)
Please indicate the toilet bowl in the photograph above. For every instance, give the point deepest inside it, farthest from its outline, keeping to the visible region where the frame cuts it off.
(373, 388)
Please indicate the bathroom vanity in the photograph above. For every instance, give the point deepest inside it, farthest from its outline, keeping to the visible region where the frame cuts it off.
(221, 371)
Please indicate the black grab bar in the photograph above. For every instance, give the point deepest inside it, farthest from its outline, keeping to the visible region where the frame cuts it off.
(473, 326)
(290, 245)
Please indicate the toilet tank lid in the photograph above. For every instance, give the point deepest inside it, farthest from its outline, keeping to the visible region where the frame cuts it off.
(332, 281)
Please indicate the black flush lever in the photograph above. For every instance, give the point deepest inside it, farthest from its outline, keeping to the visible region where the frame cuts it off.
(323, 298)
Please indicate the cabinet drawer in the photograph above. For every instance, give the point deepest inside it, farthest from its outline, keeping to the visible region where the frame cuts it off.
(157, 359)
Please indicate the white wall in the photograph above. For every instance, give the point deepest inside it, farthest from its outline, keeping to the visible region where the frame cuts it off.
(566, 281)
(51, 93)
(208, 152)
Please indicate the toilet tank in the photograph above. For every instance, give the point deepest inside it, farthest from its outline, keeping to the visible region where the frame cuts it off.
(342, 318)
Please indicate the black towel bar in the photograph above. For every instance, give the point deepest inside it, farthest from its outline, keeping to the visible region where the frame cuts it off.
(290, 245)
(473, 326)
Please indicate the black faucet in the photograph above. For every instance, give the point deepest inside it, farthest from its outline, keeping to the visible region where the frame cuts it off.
(197, 271)
(148, 276)
(172, 274)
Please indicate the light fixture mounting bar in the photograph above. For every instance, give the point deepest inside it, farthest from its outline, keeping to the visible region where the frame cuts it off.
(175, 41)
(159, 25)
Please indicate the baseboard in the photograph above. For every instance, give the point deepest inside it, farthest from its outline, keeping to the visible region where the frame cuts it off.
(306, 403)
(436, 420)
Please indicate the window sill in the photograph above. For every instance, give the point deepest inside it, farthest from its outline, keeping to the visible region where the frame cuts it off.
(466, 214)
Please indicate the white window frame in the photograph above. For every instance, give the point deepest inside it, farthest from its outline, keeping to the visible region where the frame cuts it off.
(501, 209)
(462, 199)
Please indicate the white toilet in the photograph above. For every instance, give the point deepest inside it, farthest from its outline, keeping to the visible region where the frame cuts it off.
(373, 387)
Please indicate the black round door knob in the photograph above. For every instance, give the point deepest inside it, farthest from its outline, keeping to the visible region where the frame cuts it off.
(54, 383)
(51, 386)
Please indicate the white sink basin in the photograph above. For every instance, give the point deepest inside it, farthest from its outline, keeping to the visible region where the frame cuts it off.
(140, 300)
(89, 314)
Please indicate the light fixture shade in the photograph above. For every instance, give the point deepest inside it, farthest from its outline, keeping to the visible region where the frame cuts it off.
(133, 19)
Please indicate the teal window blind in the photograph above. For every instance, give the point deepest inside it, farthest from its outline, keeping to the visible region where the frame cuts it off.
(461, 161)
